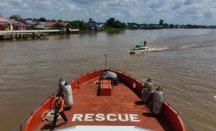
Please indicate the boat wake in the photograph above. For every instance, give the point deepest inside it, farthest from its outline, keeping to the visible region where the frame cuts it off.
(159, 48)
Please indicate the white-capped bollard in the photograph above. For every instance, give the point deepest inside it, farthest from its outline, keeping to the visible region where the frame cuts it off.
(68, 96)
(158, 100)
(148, 86)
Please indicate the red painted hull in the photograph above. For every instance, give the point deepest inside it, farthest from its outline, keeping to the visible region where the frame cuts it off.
(123, 102)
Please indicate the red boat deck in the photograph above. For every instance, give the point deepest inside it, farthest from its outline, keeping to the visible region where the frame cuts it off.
(122, 108)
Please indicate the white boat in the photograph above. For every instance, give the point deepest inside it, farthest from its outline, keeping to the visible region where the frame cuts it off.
(138, 50)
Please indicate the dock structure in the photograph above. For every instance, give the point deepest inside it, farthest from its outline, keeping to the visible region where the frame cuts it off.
(29, 34)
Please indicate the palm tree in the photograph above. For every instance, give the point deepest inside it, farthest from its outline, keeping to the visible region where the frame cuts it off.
(90, 19)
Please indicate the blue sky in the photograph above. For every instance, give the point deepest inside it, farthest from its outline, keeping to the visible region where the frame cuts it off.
(139, 11)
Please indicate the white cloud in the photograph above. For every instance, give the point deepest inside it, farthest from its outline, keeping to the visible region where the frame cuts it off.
(155, 3)
(4, 5)
(177, 5)
(86, 13)
(139, 11)
(210, 13)
(103, 14)
(25, 5)
(188, 2)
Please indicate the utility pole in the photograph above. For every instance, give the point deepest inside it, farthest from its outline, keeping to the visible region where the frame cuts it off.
(105, 60)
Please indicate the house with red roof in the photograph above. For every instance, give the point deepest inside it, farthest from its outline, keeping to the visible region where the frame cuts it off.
(21, 26)
(58, 25)
(5, 23)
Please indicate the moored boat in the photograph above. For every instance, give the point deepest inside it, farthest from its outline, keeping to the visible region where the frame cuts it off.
(109, 102)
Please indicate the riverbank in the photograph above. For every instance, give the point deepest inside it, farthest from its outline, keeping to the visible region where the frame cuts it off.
(30, 34)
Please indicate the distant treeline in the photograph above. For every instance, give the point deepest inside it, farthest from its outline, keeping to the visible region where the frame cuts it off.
(165, 25)
(111, 23)
(114, 24)
(80, 24)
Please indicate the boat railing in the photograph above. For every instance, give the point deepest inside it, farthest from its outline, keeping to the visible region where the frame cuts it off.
(126, 74)
(188, 127)
(20, 126)
(85, 73)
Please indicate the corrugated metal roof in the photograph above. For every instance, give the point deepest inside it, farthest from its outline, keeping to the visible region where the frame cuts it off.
(20, 24)
(30, 21)
(62, 23)
(50, 23)
(53, 23)
(4, 20)
(42, 23)
(94, 22)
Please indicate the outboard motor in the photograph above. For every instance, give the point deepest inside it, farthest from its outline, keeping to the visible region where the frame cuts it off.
(148, 86)
(158, 100)
(68, 97)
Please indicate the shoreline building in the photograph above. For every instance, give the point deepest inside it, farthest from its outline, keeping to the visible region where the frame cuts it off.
(58, 25)
(21, 26)
(93, 25)
(5, 22)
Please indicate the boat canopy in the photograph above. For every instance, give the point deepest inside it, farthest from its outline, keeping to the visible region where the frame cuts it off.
(138, 46)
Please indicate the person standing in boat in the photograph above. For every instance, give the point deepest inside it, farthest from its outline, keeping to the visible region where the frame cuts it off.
(144, 44)
(59, 104)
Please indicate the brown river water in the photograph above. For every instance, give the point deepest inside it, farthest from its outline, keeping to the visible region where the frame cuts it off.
(181, 61)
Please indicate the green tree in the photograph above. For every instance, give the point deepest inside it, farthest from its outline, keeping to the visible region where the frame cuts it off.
(165, 24)
(189, 25)
(171, 26)
(53, 20)
(4, 27)
(81, 25)
(14, 27)
(16, 17)
(60, 20)
(117, 24)
(110, 22)
(42, 19)
(90, 19)
(176, 26)
(75, 24)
